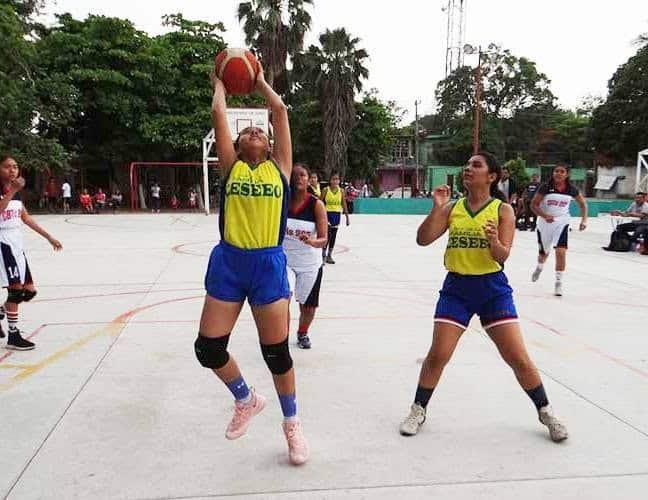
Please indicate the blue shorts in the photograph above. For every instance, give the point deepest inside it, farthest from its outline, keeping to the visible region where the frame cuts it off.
(334, 218)
(489, 296)
(234, 274)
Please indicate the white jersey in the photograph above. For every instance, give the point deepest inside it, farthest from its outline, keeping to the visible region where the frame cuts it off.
(556, 203)
(302, 257)
(11, 224)
(67, 190)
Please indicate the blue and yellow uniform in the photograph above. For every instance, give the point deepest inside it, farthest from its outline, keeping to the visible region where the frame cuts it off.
(476, 283)
(249, 262)
(333, 202)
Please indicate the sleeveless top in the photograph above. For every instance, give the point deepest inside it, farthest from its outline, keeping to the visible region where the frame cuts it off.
(255, 205)
(11, 223)
(315, 190)
(468, 250)
(302, 257)
(333, 201)
(554, 202)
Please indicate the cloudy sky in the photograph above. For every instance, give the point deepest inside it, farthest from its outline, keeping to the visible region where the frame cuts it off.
(577, 43)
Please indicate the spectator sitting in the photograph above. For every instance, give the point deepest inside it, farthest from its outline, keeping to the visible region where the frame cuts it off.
(116, 200)
(193, 199)
(85, 200)
(100, 200)
(631, 231)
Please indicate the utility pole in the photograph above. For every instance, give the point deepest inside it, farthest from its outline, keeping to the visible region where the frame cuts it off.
(477, 104)
(416, 142)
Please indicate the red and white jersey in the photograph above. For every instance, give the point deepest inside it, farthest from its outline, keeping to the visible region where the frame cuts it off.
(556, 203)
(11, 223)
(300, 256)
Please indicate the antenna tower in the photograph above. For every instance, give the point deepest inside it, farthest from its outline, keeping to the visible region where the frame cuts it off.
(456, 28)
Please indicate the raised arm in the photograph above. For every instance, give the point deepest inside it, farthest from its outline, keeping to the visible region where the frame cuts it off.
(282, 149)
(222, 134)
(16, 185)
(436, 223)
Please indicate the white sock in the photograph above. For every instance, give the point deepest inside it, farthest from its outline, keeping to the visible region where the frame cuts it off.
(540, 266)
(559, 276)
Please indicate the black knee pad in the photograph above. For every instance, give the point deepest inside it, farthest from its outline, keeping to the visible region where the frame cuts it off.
(212, 353)
(28, 295)
(15, 295)
(277, 357)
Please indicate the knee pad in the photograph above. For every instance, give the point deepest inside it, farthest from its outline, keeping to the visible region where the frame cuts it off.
(212, 353)
(15, 295)
(28, 295)
(277, 357)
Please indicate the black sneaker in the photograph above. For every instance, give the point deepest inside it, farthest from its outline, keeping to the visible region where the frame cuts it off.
(17, 343)
(303, 342)
(329, 260)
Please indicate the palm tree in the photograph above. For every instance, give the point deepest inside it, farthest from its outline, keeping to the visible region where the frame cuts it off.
(276, 30)
(337, 70)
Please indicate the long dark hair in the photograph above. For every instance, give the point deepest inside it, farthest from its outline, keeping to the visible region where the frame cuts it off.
(494, 168)
(552, 183)
(4, 157)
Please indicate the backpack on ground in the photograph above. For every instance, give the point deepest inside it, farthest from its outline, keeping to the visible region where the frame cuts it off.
(619, 242)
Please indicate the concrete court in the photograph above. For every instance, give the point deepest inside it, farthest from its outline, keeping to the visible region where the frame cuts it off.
(112, 403)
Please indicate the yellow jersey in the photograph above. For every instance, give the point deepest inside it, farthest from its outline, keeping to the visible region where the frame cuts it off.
(468, 250)
(333, 201)
(315, 190)
(254, 206)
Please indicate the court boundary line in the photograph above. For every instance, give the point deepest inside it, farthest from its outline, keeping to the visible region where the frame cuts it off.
(407, 485)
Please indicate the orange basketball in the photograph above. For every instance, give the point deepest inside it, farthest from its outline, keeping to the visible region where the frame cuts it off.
(238, 70)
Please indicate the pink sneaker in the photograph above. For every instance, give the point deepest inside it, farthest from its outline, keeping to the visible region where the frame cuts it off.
(243, 414)
(297, 447)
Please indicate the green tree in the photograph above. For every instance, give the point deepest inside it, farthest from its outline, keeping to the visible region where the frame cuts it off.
(620, 124)
(513, 91)
(24, 117)
(517, 170)
(372, 137)
(179, 94)
(276, 30)
(336, 70)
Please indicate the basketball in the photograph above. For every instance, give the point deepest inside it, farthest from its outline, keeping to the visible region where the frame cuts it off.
(238, 70)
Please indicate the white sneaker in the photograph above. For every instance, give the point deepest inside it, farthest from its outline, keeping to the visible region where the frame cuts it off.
(558, 291)
(557, 430)
(536, 274)
(414, 421)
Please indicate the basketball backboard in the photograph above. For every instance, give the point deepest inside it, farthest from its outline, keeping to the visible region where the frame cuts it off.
(240, 118)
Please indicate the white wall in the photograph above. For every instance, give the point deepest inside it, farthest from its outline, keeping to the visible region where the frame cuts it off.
(623, 188)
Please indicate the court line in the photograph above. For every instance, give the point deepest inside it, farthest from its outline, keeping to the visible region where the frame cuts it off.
(114, 294)
(590, 348)
(29, 337)
(415, 484)
(181, 248)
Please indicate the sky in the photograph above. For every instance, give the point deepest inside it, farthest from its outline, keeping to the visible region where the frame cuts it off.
(578, 44)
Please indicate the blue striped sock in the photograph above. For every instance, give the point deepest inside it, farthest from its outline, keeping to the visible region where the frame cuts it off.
(239, 389)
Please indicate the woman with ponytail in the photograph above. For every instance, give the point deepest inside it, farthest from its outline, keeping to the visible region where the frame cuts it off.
(481, 228)
(306, 235)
